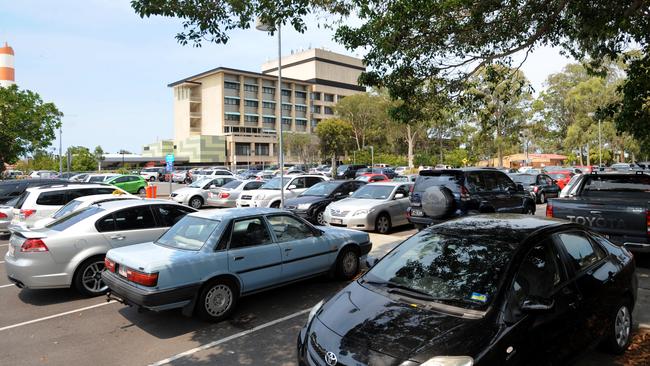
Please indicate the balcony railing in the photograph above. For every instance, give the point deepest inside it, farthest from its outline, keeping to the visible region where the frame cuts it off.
(195, 98)
(195, 114)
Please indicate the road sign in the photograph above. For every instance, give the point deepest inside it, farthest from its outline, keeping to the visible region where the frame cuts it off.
(169, 158)
(169, 166)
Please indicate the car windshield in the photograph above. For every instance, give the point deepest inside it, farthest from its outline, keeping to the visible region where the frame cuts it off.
(190, 233)
(12, 202)
(363, 178)
(557, 175)
(200, 183)
(97, 178)
(374, 192)
(275, 183)
(342, 168)
(73, 218)
(524, 179)
(69, 207)
(430, 178)
(232, 184)
(463, 270)
(6, 189)
(322, 189)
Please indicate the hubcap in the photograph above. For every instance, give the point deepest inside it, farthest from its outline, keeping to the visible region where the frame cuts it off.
(196, 203)
(382, 224)
(622, 326)
(320, 218)
(92, 277)
(218, 300)
(542, 198)
(350, 263)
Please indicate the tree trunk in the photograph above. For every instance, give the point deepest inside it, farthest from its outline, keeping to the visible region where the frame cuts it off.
(440, 143)
(334, 167)
(409, 139)
(588, 157)
(500, 155)
(580, 155)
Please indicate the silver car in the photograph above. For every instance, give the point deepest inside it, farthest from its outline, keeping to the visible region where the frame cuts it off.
(196, 194)
(79, 203)
(375, 206)
(6, 215)
(70, 251)
(226, 196)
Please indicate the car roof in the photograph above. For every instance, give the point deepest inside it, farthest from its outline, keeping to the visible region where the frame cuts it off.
(119, 204)
(500, 227)
(392, 184)
(99, 197)
(65, 187)
(228, 213)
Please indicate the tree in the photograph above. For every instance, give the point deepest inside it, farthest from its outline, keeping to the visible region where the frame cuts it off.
(82, 159)
(98, 153)
(26, 123)
(366, 113)
(334, 135)
(302, 145)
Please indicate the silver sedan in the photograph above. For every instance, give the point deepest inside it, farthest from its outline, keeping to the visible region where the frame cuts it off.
(375, 206)
(70, 251)
(196, 194)
(226, 196)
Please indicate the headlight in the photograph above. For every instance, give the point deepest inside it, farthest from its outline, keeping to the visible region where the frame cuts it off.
(363, 212)
(304, 206)
(314, 310)
(260, 196)
(450, 361)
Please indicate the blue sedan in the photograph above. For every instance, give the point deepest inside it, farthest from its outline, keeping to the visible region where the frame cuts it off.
(209, 259)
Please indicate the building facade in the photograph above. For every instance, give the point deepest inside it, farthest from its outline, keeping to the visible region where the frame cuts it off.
(231, 117)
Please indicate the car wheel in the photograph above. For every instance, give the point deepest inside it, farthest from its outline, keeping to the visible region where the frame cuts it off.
(347, 264)
(217, 300)
(141, 191)
(152, 179)
(618, 335)
(382, 224)
(88, 278)
(196, 202)
(320, 217)
(541, 198)
(275, 204)
(528, 209)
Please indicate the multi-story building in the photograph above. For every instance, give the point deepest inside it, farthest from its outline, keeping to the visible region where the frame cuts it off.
(231, 117)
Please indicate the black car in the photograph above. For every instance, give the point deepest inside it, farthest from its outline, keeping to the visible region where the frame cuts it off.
(439, 195)
(540, 186)
(14, 188)
(481, 290)
(348, 171)
(311, 204)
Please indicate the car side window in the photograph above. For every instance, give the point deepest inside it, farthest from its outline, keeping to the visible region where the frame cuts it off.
(505, 183)
(548, 180)
(403, 190)
(490, 181)
(57, 198)
(106, 223)
(299, 183)
(582, 251)
(169, 215)
(475, 182)
(134, 218)
(538, 274)
(121, 180)
(252, 185)
(248, 233)
(312, 181)
(287, 228)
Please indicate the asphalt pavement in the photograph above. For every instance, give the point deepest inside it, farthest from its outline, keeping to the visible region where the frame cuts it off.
(59, 327)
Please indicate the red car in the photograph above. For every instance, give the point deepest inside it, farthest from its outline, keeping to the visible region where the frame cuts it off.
(372, 178)
(562, 177)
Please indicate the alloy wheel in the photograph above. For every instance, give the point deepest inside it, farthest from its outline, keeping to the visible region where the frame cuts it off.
(320, 218)
(383, 225)
(196, 203)
(622, 326)
(92, 278)
(218, 300)
(349, 262)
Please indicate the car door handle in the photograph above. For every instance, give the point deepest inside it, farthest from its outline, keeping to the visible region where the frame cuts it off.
(287, 249)
(117, 237)
(239, 258)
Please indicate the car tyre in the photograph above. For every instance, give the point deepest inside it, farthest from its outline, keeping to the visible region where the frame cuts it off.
(619, 332)
(217, 300)
(88, 277)
(275, 204)
(347, 264)
(320, 217)
(529, 209)
(541, 197)
(382, 224)
(152, 179)
(141, 191)
(196, 202)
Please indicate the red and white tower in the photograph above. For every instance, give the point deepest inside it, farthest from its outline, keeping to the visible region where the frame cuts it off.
(7, 73)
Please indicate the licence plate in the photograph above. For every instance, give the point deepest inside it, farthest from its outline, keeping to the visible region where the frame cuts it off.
(337, 221)
(416, 212)
(122, 271)
(10, 252)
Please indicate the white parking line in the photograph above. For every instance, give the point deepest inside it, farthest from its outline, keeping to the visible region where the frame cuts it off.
(9, 285)
(229, 338)
(2, 262)
(55, 316)
(4, 245)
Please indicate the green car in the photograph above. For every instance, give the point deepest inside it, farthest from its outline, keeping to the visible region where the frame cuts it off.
(133, 184)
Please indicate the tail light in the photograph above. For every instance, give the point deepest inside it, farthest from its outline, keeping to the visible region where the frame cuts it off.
(33, 246)
(144, 279)
(535, 189)
(3, 215)
(647, 221)
(549, 210)
(464, 194)
(224, 195)
(27, 213)
(109, 265)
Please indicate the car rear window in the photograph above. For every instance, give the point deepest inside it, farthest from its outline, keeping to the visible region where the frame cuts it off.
(74, 218)
(430, 178)
(524, 178)
(617, 183)
(7, 189)
(56, 198)
(232, 184)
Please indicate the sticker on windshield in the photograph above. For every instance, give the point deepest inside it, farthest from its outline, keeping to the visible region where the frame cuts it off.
(479, 297)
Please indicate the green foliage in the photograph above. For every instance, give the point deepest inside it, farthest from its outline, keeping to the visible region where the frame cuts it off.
(302, 145)
(367, 114)
(457, 158)
(41, 160)
(335, 137)
(364, 157)
(26, 123)
(82, 159)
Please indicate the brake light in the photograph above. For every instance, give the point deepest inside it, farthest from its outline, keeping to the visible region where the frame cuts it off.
(464, 194)
(109, 265)
(27, 213)
(33, 246)
(224, 195)
(535, 189)
(145, 279)
(549, 210)
(3, 215)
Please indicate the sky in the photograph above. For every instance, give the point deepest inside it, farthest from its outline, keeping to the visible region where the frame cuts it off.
(107, 69)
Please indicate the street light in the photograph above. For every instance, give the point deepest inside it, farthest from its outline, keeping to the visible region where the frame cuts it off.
(372, 156)
(60, 151)
(600, 141)
(266, 28)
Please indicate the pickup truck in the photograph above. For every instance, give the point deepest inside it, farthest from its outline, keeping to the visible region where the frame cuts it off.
(615, 205)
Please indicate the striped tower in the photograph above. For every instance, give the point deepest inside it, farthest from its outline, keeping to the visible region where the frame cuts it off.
(7, 74)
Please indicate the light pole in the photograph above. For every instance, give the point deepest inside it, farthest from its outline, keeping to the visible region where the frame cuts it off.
(60, 151)
(266, 28)
(600, 146)
(372, 156)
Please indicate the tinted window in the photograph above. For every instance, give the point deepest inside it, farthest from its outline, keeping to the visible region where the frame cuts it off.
(249, 232)
(121, 180)
(134, 218)
(310, 181)
(299, 183)
(582, 252)
(429, 178)
(169, 215)
(190, 233)
(538, 274)
(7, 189)
(73, 218)
(403, 190)
(252, 185)
(52, 198)
(287, 228)
(490, 180)
(475, 182)
(505, 183)
(617, 183)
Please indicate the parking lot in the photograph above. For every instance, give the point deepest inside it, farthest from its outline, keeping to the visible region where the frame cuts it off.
(60, 327)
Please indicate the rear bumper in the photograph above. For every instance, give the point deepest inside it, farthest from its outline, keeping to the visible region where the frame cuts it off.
(226, 203)
(37, 272)
(153, 299)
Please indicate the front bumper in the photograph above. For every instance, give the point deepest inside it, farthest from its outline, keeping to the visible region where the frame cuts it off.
(365, 223)
(153, 299)
(180, 199)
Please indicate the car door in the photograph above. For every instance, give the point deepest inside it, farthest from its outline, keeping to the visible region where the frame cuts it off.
(552, 188)
(253, 255)
(121, 182)
(304, 251)
(510, 200)
(296, 187)
(129, 226)
(398, 206)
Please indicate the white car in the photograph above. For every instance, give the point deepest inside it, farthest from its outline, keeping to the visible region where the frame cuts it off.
(210, 173)
(195, 195)
(40, 202)
(99, 178)
(42, 174)
(268, 195)
(152, 174)
(79, 203)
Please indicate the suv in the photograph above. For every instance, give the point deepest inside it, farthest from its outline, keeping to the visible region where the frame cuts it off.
(153, 174)
(40, 202)
(268, 195)
(12, 189)
(439, 195)
(348, 171)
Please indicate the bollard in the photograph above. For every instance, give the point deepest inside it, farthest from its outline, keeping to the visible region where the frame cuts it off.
(154, 192)
(149, 190)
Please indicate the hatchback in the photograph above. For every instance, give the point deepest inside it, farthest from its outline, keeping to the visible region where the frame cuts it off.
(488, 290)
(540, 186)
(134, 184)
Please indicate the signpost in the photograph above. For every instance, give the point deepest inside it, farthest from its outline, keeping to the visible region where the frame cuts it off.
(169, 167)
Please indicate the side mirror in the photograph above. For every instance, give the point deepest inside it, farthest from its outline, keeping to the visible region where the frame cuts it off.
(537, 305)
(399, 195)
(350, 194)
(338, 194)
(293, 186)
(371, 261)
(213, 186)
(520, 187)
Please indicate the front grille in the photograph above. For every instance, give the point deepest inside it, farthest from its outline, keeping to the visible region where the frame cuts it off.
(339, 213)
(246, 197)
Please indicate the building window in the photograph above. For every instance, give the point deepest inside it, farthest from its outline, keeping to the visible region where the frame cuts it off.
(251, 103)
(301, 108)
(315, 109)
(315, 96)
(242, 148)
(230, 85)
(286, 121)
(329, 97)
(250, 88)
(268, 119)
(300, 94)
(267, 90)
(231, 101)
(340, 97)
(286, 93)
(286, 107)
(262, 149)
(314, 122)
(269, 105)
(249, 118)
(328, 110)
(232, 117)
(301, 122)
